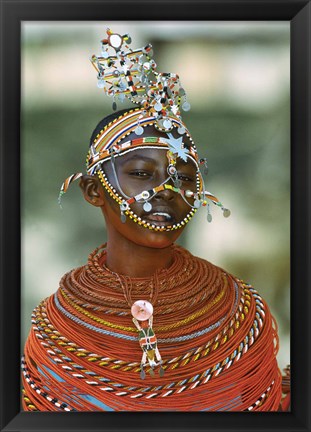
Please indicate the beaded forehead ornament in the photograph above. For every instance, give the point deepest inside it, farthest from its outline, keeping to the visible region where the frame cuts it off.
(126, 73)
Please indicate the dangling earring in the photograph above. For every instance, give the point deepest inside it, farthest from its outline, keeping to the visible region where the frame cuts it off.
(114, 104)
(123, 207)
(197, 202)
(203, 161)
(172, 172)
(147, 206)
(209, 216)
(139, 130)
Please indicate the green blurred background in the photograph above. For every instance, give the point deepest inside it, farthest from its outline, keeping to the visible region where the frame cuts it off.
(236, 75)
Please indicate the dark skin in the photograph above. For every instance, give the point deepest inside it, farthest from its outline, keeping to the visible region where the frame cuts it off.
(132, 249)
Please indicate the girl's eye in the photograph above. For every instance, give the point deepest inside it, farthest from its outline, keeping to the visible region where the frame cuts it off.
(140, 173)
(185, 178)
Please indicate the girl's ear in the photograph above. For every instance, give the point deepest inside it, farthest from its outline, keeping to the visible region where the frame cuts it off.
(92, 189)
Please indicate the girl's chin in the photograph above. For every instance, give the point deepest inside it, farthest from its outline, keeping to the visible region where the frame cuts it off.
(157, 239)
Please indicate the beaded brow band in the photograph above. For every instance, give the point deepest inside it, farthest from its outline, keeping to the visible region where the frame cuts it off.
(134, 144)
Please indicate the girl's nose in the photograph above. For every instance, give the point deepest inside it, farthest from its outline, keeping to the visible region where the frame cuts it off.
(166, 194)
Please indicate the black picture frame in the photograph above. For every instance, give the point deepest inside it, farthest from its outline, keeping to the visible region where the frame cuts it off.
(13, 12)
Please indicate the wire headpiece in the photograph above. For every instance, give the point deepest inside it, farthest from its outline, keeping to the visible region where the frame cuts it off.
(126, 73)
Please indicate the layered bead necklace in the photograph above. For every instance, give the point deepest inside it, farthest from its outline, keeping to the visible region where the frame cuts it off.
(216, 337)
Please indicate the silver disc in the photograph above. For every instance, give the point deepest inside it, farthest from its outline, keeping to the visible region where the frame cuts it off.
(209, 217)
(226, 213)
(158, 106)
(147, 206)
(139, 130)
(197, 203)
(100, 83)
(167, 124)
(123, 218)
(186, 106)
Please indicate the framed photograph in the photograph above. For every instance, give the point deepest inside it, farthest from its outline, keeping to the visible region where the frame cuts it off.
(246, 81)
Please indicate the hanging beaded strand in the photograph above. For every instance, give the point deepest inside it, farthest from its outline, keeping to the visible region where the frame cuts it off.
(142, 312)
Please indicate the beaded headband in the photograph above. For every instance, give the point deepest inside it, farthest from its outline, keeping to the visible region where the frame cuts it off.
(107, 141)
(131, 74)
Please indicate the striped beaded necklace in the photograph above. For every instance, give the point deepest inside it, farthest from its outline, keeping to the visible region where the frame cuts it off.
(216, 335)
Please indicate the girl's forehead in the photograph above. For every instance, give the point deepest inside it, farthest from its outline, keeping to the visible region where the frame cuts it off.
(153, 156)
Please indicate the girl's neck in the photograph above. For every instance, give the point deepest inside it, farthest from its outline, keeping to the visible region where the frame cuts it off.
(134, 260)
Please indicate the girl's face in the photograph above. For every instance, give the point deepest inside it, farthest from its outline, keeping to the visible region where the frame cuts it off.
(140, 170)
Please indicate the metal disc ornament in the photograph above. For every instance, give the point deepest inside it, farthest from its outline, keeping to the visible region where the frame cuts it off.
(167, 124)
(186, 106)
(139, 130)
(100, 84)
(158, 106)
(209, 217)
(123, 218)
(147, 206)
(115, 40)
(121, 97)
(226, 213)
(197, 203)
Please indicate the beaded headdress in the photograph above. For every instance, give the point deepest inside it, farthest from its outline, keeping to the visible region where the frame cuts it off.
(126, 73)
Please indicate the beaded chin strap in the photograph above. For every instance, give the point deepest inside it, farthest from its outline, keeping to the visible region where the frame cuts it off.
(126, 73)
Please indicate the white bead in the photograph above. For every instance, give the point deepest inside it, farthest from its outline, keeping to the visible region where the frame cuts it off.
(145, 195)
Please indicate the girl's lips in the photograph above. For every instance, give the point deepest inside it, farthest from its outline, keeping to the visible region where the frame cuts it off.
(159, 218)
